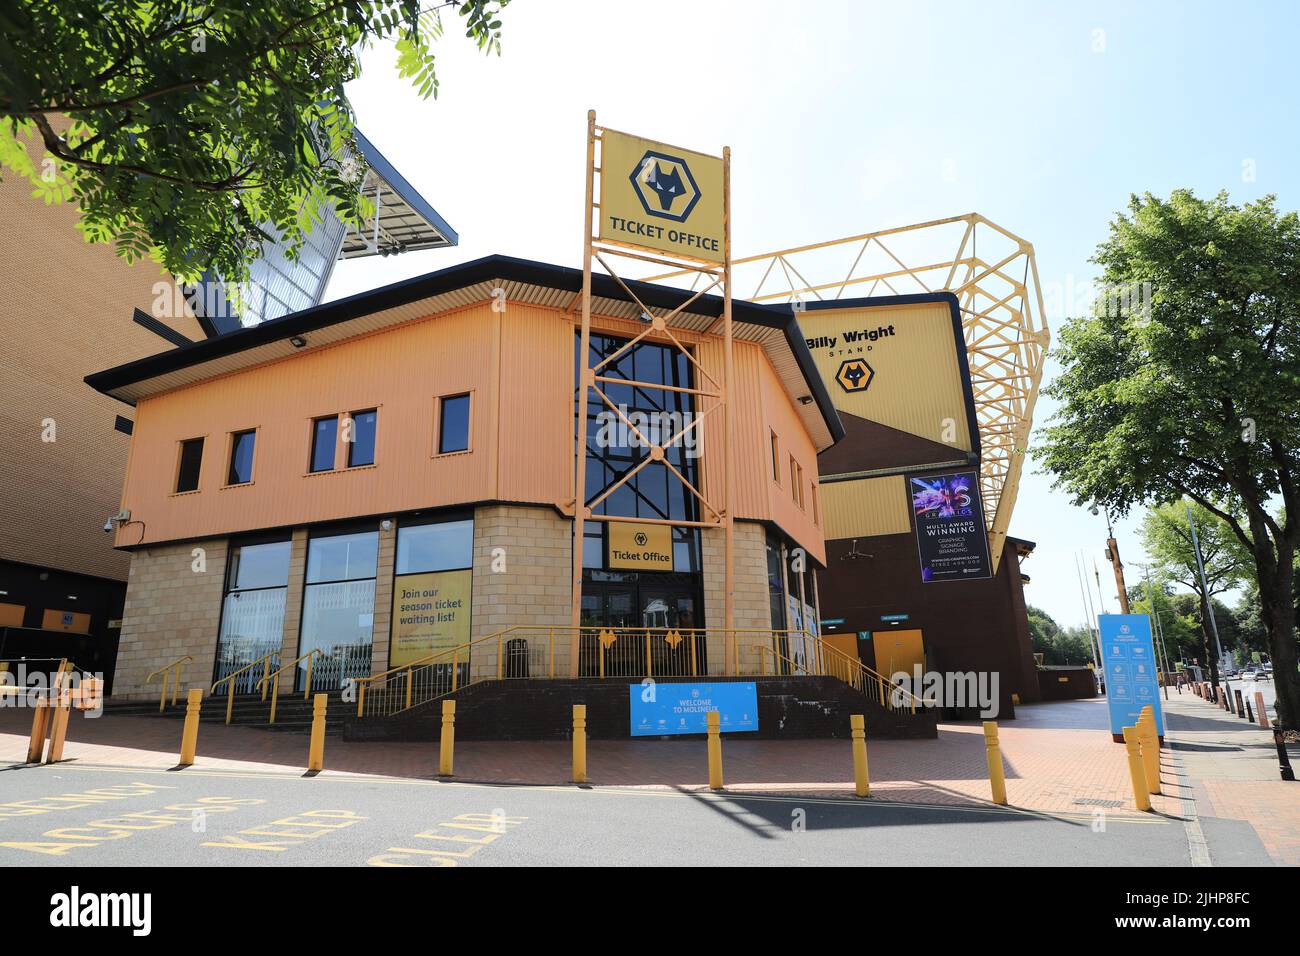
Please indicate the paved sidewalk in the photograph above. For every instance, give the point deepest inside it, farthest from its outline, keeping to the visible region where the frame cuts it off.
(1230, 768)
(1058, 758)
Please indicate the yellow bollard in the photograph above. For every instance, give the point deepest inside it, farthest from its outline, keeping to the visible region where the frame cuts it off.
(59, 728)
(1150, 744)
(316, 753)
(997, 776)
(447, 745)
(190, 732)
(40, 723)
(1141, 798)
(715, 749)
(579, 743)
(858, 730)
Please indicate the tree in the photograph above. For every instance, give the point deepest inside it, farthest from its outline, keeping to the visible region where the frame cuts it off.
(1167, 539)
(183, 130)
(1185, 382)
(1058, 645)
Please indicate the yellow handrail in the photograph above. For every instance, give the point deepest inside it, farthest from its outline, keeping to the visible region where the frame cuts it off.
(838, 664)
(275, 688)
(178, 664)
(264, 660)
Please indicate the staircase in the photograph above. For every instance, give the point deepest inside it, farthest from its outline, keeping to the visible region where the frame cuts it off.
(292, 713)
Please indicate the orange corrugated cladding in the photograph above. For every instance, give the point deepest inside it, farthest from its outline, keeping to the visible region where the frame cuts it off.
(518, 367)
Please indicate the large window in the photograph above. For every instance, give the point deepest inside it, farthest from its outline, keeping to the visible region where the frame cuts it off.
(252, 611)
(338, 606)
(241, 458)
(324, 439)
(191, 461)
(361, 446)
(453, 424)
(431, 590)
(613, 449)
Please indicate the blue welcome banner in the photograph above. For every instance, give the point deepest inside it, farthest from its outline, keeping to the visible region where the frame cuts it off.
(1128, 660)
(657, 709)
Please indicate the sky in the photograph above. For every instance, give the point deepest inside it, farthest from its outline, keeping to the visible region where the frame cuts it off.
(845, 118)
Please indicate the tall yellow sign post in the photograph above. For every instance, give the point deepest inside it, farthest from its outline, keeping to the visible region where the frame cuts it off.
(672, 207)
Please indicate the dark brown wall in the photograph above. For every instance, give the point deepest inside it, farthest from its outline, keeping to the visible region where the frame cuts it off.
(967, 625)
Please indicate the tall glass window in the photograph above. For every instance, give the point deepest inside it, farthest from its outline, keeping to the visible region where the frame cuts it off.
(252, 611)
(241, 458)
(613, 449)
(324, 438)
(338, 606)
(432, 587)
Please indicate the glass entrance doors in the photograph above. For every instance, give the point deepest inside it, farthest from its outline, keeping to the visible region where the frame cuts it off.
(651, 617)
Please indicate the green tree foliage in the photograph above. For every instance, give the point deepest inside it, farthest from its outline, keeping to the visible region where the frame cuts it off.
(1185, 383)
(1058, 645)
(182, 129)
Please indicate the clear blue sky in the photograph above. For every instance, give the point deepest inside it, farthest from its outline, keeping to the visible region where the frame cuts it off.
(843, 118)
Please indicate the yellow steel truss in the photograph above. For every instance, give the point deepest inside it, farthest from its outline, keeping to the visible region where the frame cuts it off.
(993, 273)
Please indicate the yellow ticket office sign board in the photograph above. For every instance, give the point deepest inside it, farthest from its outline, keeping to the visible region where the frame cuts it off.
(431, 613)
(661, 197)
(640, 547)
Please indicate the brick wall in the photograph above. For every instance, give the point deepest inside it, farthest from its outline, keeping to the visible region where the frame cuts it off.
(171, 610)
(752, 608)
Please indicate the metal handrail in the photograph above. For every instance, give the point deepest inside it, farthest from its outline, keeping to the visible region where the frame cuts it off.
(275, 688)
(176, 682)
(264, 660)
(839, 661)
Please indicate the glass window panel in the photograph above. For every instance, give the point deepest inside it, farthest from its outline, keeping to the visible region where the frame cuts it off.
(453, 424)
(343, 557)
(260, 566)
(323, 441)
(361, 450)
(435, 547)
(187, 478)
(241, 458)
(339, 619)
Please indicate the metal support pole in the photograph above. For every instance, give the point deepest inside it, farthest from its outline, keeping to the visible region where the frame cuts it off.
(447, 744)
(579, 743)
(316, 751)
(861, 782)
(715, 749)
(585, 380)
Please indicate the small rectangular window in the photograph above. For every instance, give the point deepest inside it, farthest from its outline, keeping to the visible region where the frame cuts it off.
(794, 479)
(361, 449)
(187, 476)
(817, 511)
(324, 438)
(241, 457)
(776, 459)
(453, 424)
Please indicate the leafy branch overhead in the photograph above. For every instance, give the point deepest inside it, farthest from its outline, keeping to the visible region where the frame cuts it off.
(184, 130)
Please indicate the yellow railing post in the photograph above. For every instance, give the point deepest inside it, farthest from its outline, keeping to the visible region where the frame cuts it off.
(162, 697)
(550, 652)
(266, 670)
(447, 743)
(361, 698)
(455, 670)
(997, 777)
(176, 683)
(648, 670)
(1137, 774)
(579, 743)
(40, 723)
(858, 730)
(714, 724)
(500, 668)
(306, 691)
(408, 688)
(693, 658)
(230, 698)
(190, 732)
(316, 753)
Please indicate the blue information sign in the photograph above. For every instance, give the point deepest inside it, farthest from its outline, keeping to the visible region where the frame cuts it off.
(680, 708)
(1129, 662)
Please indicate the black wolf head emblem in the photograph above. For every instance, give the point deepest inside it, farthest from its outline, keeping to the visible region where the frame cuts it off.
(668, 185)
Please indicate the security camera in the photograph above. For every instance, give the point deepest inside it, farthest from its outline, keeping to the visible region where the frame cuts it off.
(108, 526)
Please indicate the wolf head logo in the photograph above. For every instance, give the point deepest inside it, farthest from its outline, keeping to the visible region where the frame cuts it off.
(667, 185)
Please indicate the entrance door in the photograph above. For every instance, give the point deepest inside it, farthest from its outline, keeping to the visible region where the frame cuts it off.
(899, 651)
(635, 608)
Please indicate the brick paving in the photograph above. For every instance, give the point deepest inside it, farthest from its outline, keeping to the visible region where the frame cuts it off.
(1058, 758)
(1231, 767)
